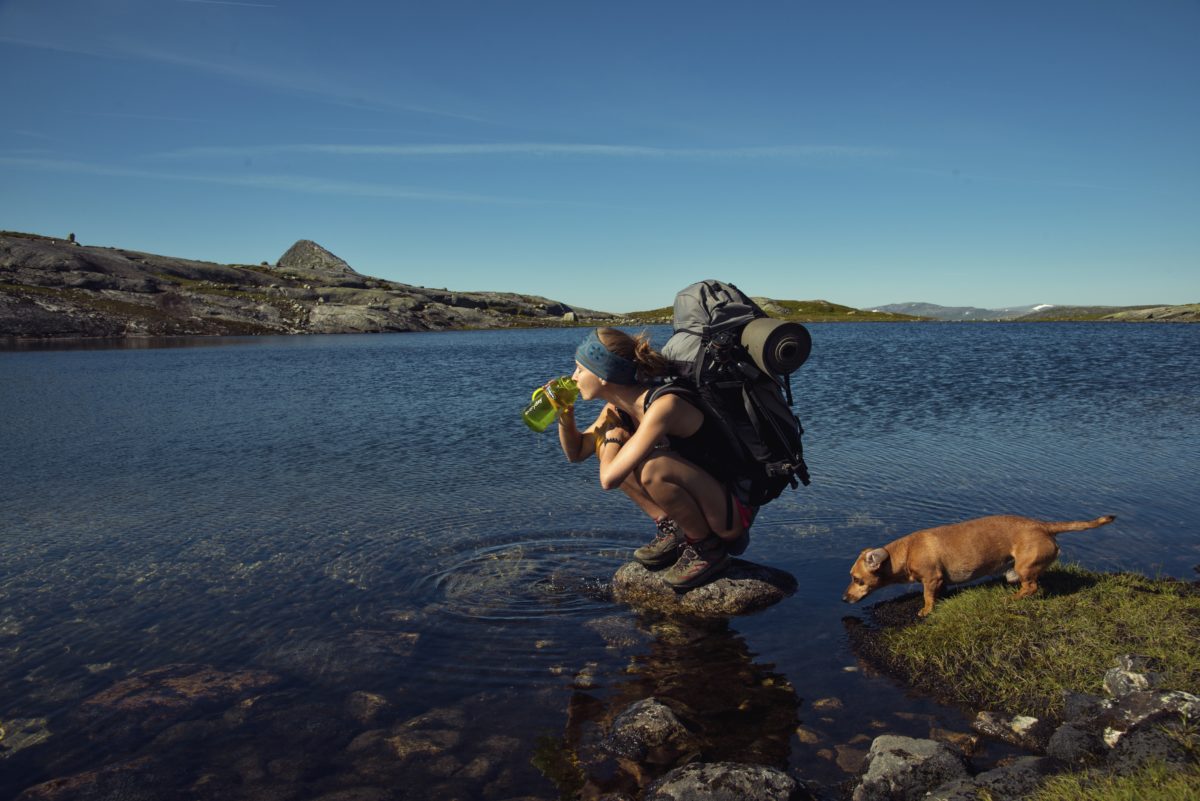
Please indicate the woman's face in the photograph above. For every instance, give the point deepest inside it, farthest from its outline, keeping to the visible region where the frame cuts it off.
(588, 382)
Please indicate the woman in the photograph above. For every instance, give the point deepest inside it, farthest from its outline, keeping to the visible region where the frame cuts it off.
(664, 454)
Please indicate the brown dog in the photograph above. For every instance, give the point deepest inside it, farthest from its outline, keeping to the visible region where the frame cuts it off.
(962, 552)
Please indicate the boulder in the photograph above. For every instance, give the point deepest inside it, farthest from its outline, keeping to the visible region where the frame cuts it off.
(905, 769)
(1160, 739)
(1017, 779)
(744, 587)
(1076, 743)
(722, 781)
(1133, 709)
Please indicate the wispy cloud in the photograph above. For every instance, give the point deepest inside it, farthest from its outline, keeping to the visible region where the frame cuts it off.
(1017, 180)
(285, 183)
(536, 149)
(229, 3)
(281, 78)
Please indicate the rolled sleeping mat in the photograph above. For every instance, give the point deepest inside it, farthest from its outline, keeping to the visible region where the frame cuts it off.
(778, 347)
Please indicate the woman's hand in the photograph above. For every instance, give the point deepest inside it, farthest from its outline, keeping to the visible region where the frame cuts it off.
(608, 421)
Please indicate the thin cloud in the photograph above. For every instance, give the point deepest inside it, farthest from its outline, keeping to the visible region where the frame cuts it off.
(957, 175)
(536, 149)
(262, 76)
(228, 3)
(287, 183)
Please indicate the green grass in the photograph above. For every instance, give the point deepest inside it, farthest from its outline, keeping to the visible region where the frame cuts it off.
(1154, 782)
(983, 649)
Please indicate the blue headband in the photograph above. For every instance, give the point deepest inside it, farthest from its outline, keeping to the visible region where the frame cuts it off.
(592, 354)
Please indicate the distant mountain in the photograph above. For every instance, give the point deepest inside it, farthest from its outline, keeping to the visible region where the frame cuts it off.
(1048, 312)
(936, 312)
(806, 311)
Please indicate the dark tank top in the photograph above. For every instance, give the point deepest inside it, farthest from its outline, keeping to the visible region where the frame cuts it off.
(705, 448)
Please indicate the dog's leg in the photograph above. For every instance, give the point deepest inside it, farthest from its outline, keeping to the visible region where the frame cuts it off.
(932, 585)
(1029, 586)
(1030, 564)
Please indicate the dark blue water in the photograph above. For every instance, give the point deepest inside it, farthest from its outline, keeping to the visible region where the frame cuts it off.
(365, 520)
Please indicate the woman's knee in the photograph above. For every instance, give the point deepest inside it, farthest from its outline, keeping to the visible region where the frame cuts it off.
(657, 468)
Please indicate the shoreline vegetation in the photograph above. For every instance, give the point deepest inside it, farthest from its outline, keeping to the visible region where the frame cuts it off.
(1040, 659)
(59, 289)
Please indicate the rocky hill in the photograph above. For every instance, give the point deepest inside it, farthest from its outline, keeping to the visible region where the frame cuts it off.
(58, 288)
(804, 311)
(935, 312)
(1186, 313)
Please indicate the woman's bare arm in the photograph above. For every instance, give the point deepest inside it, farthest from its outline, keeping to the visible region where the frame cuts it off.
(578, 445)
(667, 415)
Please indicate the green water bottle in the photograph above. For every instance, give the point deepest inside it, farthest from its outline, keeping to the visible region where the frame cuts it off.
(548, 401)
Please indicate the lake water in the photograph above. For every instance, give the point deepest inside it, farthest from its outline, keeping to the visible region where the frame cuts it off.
(363, 575)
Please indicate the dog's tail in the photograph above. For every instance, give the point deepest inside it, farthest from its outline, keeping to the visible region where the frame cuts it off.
(1077, 525)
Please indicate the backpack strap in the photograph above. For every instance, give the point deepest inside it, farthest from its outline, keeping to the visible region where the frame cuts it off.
(672, 388)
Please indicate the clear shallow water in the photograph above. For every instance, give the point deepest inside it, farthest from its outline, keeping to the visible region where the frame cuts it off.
(365, 517)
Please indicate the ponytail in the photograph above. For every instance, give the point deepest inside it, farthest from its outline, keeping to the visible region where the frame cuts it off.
(650, 363)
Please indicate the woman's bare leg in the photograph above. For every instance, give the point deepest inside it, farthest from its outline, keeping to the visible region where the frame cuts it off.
(695, 500)
(637, 493)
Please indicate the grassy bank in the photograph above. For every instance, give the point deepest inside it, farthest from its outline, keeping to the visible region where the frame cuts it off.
(1155, 782)
(983, 650)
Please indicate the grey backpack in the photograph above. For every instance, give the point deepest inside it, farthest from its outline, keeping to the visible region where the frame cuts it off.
(734, 362)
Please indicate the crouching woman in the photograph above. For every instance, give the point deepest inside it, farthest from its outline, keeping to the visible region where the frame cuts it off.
(662, 452)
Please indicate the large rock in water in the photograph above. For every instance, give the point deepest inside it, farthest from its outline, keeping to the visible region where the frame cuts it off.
(744, 587)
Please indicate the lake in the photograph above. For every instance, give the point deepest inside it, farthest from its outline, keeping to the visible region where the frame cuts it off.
(340, 565)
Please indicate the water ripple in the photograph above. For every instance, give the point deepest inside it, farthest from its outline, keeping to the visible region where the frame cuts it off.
(525, 579)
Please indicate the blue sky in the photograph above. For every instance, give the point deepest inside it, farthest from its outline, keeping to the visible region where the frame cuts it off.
(607, 154)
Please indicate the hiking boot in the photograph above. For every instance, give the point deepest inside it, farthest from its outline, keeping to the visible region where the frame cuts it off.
(698, 563)
(664, 549)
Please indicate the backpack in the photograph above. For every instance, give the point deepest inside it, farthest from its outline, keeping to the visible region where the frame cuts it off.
(736, 372)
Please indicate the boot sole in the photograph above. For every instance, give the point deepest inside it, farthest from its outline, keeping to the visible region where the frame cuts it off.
(651, 564)
(704, 578)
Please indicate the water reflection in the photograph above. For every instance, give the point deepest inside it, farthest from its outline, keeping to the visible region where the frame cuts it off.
(127, 343)
(730, 708)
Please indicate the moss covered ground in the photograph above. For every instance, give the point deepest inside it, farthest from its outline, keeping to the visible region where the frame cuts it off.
(982, 649)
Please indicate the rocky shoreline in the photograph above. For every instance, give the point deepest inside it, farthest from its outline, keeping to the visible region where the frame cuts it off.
(60, 289)
(56, 288)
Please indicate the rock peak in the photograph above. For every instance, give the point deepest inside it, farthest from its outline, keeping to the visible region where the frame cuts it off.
(308, 256)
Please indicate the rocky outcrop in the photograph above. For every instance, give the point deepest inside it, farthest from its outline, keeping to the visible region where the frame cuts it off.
(744, 587)
(55, 288)
(307, 260)
(1186, 313)
(1118, 734)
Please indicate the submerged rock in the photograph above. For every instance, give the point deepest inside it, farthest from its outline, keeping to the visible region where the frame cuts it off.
(648, 731)
(159, 697)
(21, 733)
(744, 587)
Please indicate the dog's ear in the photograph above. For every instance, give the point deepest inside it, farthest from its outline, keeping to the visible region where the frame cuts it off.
(874, 559)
